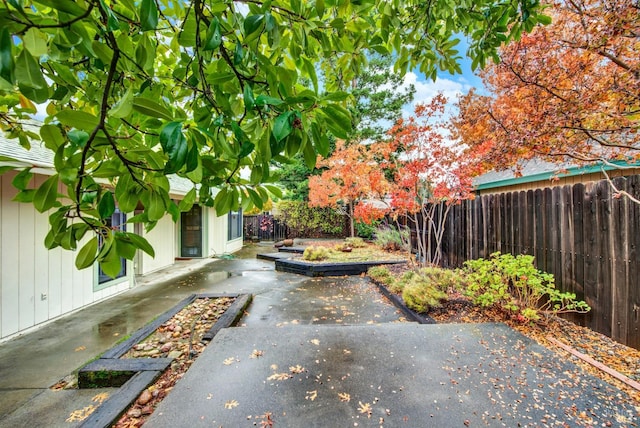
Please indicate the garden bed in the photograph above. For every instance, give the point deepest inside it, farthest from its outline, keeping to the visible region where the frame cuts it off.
(147, 365)
(548, 331)
(314, 269)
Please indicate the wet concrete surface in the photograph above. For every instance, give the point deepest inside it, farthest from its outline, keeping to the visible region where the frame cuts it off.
(386, 375)
(345, 336)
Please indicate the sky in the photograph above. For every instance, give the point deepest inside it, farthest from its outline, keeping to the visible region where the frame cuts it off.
(450, 85)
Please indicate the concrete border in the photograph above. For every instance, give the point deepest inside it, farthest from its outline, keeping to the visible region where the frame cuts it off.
(134, 375)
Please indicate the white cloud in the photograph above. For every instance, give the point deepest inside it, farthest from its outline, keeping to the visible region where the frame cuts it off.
(427, 89)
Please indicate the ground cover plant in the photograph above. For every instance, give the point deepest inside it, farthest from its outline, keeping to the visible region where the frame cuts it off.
(351, 250)
(510, 284)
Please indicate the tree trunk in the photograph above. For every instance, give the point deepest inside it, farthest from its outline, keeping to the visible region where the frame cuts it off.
(351, 222)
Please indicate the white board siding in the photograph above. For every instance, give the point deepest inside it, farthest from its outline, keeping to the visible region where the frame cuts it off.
(9, 273)
(162, 238)
(36, 284)
(218, 232)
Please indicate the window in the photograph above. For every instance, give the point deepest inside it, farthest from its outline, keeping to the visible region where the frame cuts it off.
(117, 221)
(235, 225)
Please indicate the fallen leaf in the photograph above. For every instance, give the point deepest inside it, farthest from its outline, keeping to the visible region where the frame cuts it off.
(296, 369)
(100, 398)
(364, 408)
(344, 397)
(80, 348)
(311, 395)
(229, 361)
(256, 354)
(315, 342)
(231, 404)
(81, 415)
(279, 376)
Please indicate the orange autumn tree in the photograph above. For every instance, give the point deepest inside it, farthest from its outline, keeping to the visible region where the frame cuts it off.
(351, 176)
(416, 173)
(429, 176)
(567, 91)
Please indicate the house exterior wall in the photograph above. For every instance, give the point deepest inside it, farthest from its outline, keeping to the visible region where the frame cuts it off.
(36, 284)
(216, 230)
(162, 238)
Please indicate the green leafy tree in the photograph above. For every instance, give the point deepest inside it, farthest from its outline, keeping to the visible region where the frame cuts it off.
(379, 96)
(136, 90)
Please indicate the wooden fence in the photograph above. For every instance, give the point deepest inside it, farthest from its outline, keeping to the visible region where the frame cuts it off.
(264, 227)
(583, 234)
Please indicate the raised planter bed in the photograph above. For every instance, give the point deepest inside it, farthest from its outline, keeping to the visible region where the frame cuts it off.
(134, 375)
(302, 267)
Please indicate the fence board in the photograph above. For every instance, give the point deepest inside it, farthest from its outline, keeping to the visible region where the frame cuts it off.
(633, 302)
(603, 316)
(538, 252)
(589, 241)
(620, 279)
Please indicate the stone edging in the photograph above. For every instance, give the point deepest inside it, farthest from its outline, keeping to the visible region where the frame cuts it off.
(134, 375)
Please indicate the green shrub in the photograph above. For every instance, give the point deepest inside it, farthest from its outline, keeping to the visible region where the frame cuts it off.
(392, 239)
(516, 286)
(366, 231)
(380, 274)
(303, 220)
(355, 242)
(423, 295)
(315, 253)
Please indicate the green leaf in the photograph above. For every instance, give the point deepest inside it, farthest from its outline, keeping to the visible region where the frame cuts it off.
(124, 247)
(310, 156)
(107, 205)
(187, 202)
(151, 108)
(46, 195)
(67, 6)
(28, 72)
(338, 120)
(282, 126)
(249, 101)
(252, 24)
(22, 179)
(35, 42)
(24, 196)
(263, 100)
(112, 20)
(214, 36)
(78, 119)
(6, 56)
(111, 264)
(155, 208)
(6, 168)
(193, 157)
(52, 137)
(544, 19)
(238, 54)
(148, 15)
(87, 254)
(124, 106)
(174, 144)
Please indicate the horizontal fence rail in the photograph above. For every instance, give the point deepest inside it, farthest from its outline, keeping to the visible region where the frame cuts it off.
(583, 234)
